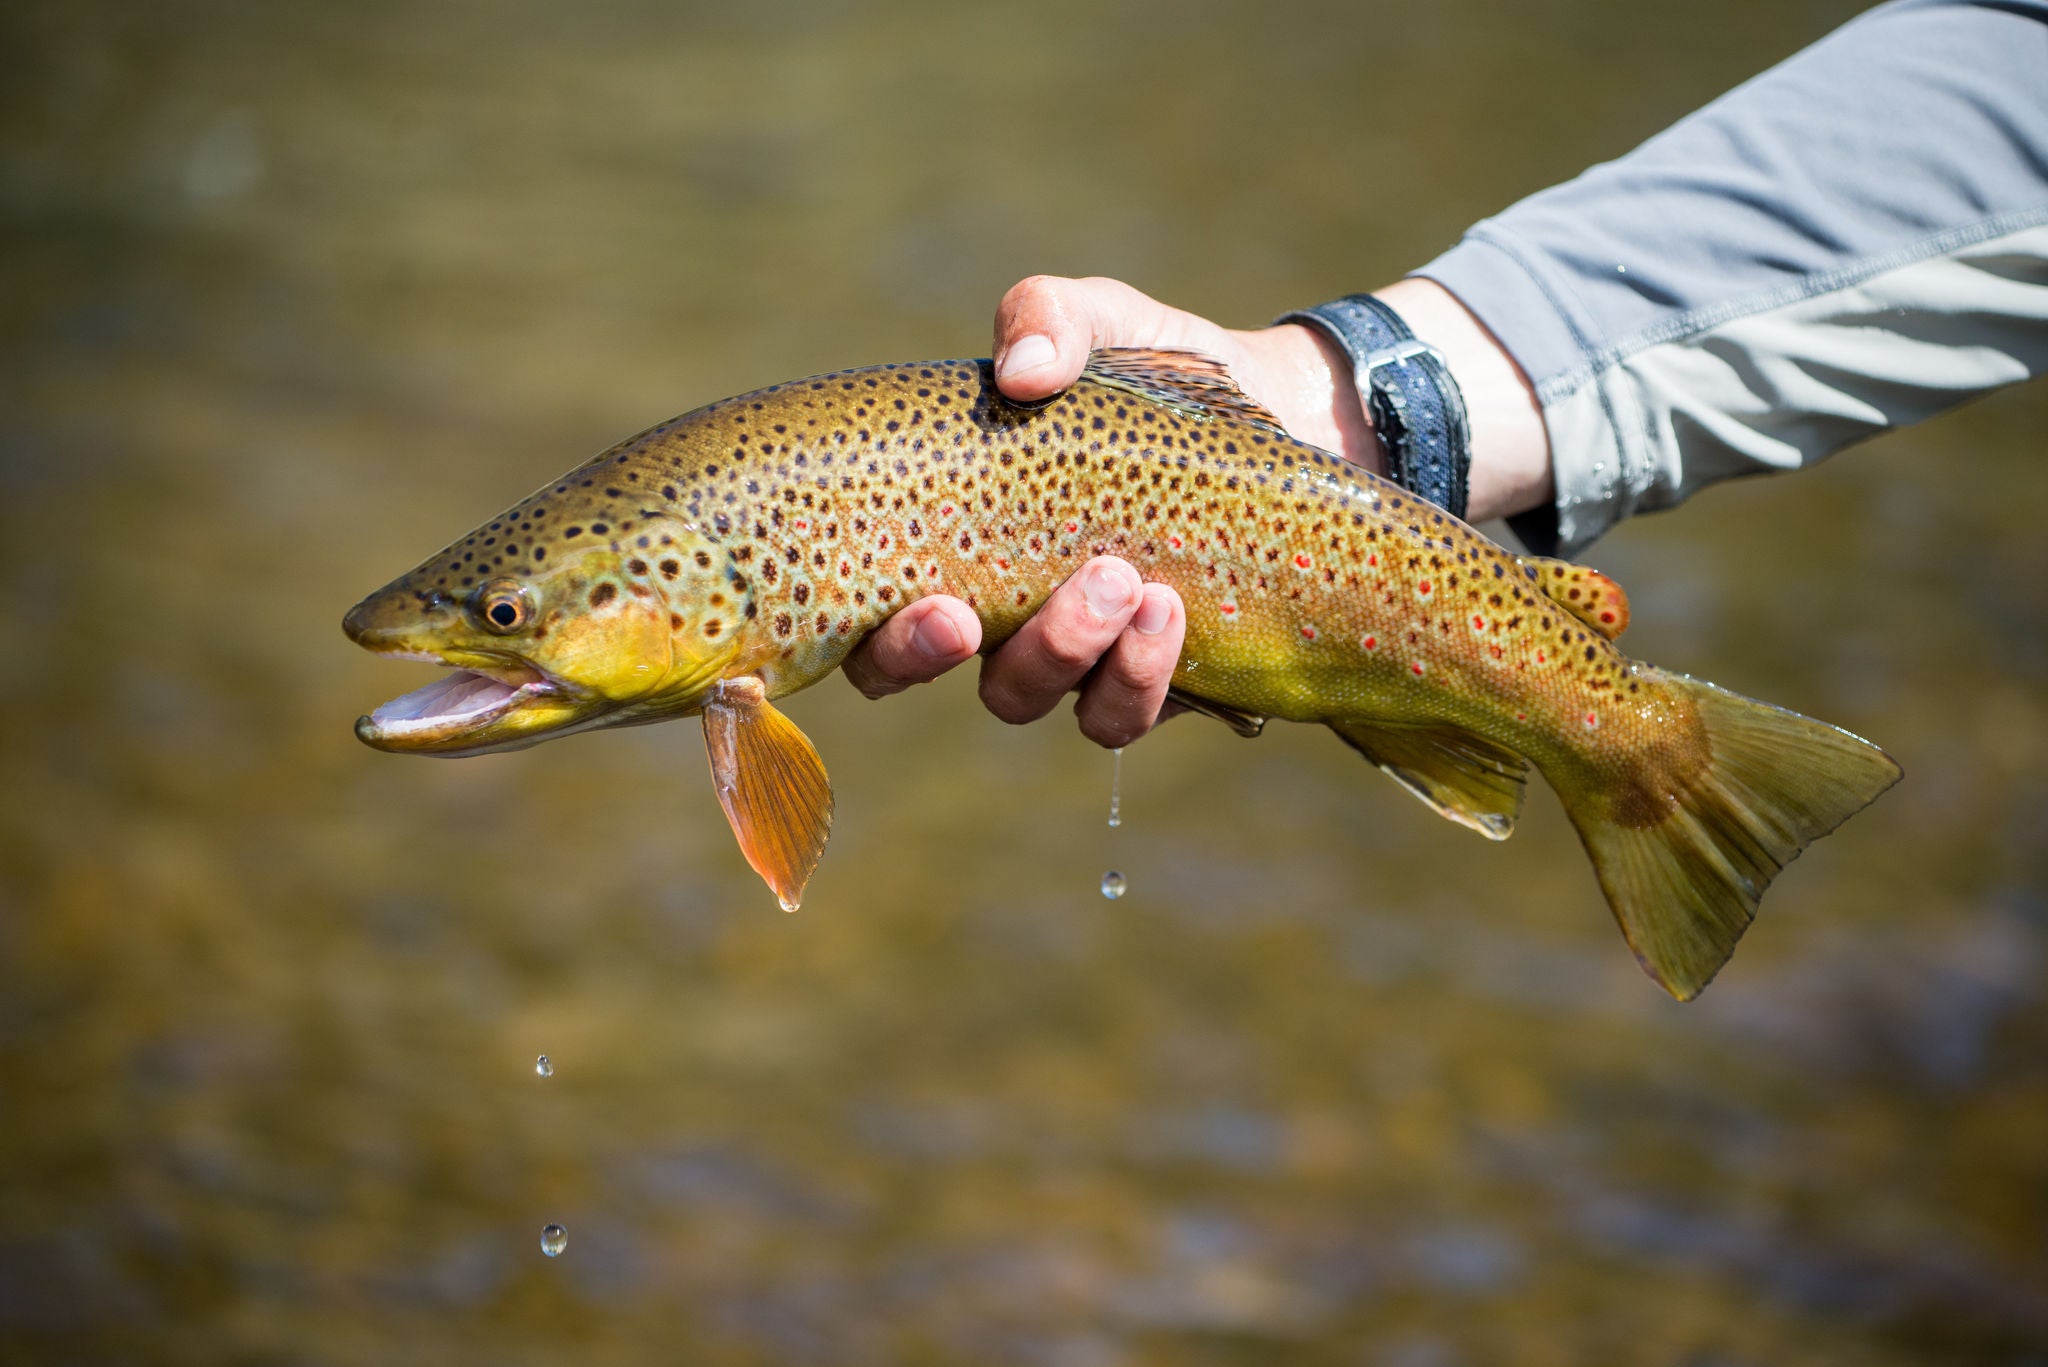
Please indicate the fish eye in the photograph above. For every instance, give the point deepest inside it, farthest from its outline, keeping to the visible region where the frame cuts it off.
(501, 606)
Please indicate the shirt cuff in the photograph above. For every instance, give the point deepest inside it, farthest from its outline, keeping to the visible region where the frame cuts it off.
(1556, 348)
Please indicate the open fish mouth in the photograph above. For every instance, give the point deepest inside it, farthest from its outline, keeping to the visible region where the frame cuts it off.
(464, 710)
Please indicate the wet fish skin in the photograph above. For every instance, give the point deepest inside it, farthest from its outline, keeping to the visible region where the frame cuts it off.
(737, 554)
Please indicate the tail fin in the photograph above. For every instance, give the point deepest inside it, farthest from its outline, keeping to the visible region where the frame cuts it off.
(1684, 873)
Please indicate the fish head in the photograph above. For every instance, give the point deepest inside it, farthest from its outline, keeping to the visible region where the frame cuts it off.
(549, 633)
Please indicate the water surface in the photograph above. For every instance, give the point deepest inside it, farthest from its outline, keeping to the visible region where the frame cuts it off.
(294, 294)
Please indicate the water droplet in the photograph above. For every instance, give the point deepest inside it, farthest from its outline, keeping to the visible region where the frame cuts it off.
(543, 1067)
(787, 903)
(553, 1240)
(1113, 885)
(1116, 783)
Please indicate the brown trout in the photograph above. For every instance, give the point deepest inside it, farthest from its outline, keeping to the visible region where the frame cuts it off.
(736, 554)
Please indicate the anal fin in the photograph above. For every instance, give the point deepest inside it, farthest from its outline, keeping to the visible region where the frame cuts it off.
(1244, 723)
(771, 784)
(1464, 777)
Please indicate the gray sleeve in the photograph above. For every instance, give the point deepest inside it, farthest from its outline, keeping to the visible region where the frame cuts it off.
(1853, 240)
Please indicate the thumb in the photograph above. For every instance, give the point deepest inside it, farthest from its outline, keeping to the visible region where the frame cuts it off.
(1047, 325)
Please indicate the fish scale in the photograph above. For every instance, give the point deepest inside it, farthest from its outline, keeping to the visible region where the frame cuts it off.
(756, 541)
(1310, 592)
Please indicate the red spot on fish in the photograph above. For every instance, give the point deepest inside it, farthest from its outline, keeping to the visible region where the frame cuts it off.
(1541, 657)
(1423, 588)
(1228, 608)
(1373, 559)
(1592, 721)
(1417, 666)
(1371, 643)
(1302, 562)
(1073, 526)
(1606, 616)
(801, 524)
(1521, 716)
(946, 508)
(1308, 633)
(1175, 542)
(1478, 624)
(1495, 650)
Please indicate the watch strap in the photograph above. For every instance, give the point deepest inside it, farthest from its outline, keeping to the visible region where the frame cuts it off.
(1415, 405)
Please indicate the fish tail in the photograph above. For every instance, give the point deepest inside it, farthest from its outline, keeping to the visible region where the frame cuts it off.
(1684, 864)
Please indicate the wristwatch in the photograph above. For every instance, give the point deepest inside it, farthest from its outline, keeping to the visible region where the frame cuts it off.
(1415, 406)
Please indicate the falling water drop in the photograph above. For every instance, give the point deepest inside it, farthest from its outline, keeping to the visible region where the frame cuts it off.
(543, 1067)
(1113, 885)
(553, 1240)
(788, 903)
(1116, 784)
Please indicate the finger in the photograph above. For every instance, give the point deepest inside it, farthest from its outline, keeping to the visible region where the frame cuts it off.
(1053, 651)
(1122, 699)
(1047, 324)
(915, 646)
(1041, 340)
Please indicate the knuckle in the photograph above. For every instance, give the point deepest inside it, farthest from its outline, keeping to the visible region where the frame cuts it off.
(1072, 651)
(1136, 674)
(870, 682)
(1023, 292)
(1004, 705)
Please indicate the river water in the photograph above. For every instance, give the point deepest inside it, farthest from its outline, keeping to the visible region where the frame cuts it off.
(295, 293)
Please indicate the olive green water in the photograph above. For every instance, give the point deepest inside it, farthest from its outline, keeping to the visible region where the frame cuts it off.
(291, 295)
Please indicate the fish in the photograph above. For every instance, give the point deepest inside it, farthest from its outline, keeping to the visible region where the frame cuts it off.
(723, 560)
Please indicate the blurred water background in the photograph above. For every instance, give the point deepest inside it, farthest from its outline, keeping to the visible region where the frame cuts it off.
(291, 294)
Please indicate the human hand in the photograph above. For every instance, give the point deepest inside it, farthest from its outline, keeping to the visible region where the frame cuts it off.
(1122, 656)
(1104, 630)
(1046, 326)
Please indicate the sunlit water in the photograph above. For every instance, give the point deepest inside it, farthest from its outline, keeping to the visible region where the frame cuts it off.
(297, 294)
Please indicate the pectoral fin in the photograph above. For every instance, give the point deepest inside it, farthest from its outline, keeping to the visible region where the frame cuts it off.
(771, 784)
(1244, 723)
(1464, 777)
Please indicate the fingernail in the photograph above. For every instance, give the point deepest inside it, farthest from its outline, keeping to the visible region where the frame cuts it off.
(1107, 591)
(1027, 353)
(937, 637)
(1153, 614)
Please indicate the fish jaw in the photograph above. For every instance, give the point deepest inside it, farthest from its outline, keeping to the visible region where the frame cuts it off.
(493, 698)
(482, 705)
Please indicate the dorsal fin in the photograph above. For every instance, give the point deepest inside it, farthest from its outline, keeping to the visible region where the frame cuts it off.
(1188, 381)
(1586, 594)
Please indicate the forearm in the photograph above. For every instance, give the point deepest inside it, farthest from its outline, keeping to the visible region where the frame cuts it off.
(1852, 241)
(1307, 381)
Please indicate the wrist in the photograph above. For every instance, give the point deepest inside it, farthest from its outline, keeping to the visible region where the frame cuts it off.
(1304, 379)
(1510, 466)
